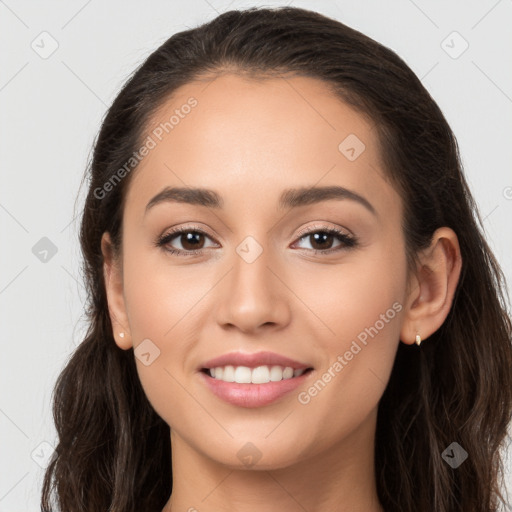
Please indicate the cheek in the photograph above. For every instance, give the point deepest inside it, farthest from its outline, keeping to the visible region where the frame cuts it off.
(360, 309)
(375, 305)
(370, 304)
(159, 294)
(362, 294)
(160, 305)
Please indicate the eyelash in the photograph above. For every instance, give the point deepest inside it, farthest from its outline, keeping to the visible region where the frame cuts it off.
(348, 241)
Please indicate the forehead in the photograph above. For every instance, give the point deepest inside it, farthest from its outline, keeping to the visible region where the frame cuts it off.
(254, 138)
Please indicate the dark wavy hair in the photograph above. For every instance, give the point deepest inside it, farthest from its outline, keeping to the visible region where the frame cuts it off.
(114, 450)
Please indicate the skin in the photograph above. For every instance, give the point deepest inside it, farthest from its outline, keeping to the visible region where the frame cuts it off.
(249, 140)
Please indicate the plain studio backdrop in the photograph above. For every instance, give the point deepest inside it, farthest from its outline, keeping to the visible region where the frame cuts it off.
(62, 64)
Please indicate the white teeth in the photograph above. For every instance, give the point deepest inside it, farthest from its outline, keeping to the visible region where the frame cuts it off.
(242, 375)
(228, 374)
(276, 373)
(288, 373)
(258, 375)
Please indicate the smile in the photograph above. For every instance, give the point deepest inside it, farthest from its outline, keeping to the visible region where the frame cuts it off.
(252, 394)
(258, 375)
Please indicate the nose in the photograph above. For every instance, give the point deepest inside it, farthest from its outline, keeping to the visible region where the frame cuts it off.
(253, 296)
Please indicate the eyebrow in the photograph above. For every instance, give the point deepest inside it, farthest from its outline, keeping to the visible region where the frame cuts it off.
(290, 198)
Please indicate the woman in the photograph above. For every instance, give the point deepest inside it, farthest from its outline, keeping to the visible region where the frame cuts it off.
(289, 288)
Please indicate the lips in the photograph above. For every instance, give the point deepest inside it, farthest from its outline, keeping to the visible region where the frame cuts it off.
(253, 360)
(251, 394)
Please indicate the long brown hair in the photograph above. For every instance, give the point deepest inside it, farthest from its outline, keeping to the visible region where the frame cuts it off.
(114, 451)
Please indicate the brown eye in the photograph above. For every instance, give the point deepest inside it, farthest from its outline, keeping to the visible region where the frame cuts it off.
(184, 241)
(191, 240)
(322, 240)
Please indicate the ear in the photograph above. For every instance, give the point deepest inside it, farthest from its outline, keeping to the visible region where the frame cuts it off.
(432, 287)
(113, 275)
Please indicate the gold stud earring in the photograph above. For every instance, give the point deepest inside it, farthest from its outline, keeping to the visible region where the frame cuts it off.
(121, 334)
(418, 340)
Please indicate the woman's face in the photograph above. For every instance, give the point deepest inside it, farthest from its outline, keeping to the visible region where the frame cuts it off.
(266, 275)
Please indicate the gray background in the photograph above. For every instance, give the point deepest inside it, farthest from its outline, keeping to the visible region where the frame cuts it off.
(51, 108)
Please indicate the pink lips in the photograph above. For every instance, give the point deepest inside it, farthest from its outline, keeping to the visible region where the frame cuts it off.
(252, 395)
(253, 360)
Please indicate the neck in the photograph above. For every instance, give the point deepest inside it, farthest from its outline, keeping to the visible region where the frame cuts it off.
(340, 479)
